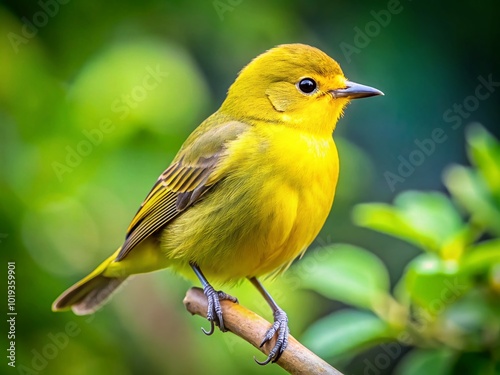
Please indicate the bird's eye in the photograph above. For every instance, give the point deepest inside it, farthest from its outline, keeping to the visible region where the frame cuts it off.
(307, 85)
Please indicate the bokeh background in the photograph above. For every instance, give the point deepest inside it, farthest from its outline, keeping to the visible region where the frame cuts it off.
(97, 97)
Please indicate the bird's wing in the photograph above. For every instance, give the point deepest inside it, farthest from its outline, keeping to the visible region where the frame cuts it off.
(192, 174)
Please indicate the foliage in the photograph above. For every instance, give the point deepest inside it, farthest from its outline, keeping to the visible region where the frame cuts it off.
(447, 303)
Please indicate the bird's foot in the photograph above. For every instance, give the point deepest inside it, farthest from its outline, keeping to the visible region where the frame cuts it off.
(214, 313)
(280, 327)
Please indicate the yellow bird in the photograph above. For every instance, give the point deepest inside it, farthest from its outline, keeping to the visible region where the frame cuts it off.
(248, 191)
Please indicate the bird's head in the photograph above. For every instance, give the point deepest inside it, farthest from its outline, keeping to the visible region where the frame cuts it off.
(296, 85)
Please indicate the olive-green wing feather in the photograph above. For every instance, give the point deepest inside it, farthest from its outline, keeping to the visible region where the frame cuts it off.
(184, 182)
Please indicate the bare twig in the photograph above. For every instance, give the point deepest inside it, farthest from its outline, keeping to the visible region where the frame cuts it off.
(296, 359)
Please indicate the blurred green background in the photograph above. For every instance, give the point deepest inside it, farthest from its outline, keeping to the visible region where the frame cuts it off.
(97, 97)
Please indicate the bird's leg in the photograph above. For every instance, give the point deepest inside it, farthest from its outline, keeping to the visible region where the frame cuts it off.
(280, 326)
(214, 313)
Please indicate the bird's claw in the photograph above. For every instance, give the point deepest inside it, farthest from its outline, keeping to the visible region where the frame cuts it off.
(279, 327)
(212, 328)
(214, 312)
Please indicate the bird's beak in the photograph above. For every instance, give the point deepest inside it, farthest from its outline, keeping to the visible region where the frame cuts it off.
(355, 91)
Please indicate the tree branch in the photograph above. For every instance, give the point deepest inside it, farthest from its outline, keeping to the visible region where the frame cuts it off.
(296, 358)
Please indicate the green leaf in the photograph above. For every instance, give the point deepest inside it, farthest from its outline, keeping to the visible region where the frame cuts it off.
(481, 256)
(470, 191)
(428, 362)
(400, 292)
(433, 283)
(484, 152)
(345, 273)
(387, 219)
(427, 220)
(345, 333)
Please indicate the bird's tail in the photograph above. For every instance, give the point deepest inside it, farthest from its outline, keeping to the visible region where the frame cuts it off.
(90, 293)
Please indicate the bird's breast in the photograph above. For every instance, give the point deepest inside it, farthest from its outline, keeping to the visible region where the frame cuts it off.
(276, 193)
(293, 184)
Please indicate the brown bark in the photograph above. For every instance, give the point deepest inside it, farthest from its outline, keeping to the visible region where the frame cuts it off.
(296, 358)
